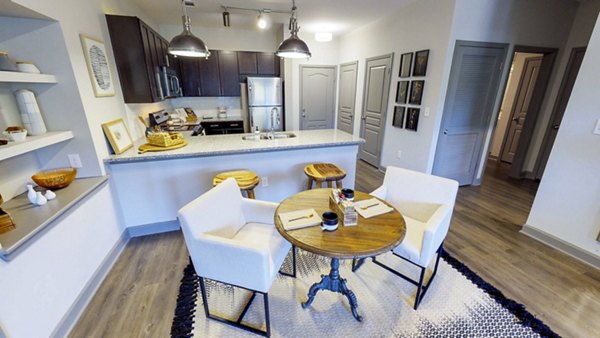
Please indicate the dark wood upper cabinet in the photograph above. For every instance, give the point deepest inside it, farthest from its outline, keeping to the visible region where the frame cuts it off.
(210, 84)
(267, 64)
(139, 53)
(190, 76)
(247, 63)
(228, 73)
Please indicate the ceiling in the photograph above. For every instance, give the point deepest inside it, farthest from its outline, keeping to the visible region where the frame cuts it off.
(335, 16)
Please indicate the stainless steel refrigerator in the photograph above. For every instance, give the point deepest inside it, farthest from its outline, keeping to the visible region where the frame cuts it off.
(265, 103)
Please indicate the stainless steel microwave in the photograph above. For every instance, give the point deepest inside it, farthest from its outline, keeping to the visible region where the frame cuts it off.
(169, 85)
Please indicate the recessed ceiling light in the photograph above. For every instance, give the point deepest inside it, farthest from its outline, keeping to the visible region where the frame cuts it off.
(323, 36)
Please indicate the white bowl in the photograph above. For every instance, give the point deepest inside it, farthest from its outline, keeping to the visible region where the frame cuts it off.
(16, 136)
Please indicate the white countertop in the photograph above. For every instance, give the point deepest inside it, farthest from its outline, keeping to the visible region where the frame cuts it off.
(200, 146)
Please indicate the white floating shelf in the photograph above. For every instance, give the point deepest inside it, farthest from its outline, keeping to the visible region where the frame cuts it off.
(32, 143)
(26, 77)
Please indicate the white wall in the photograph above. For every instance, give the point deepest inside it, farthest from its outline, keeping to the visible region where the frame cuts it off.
(508, 100)
(39, 285)
(572, 168)
(421, 25)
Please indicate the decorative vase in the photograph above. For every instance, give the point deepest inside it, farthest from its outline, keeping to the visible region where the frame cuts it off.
(40, 199)
(30, 112)
(31, 195)
(50, 195)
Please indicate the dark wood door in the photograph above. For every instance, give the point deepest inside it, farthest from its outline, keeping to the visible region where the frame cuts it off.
(190, 76)
(210, 84)
(229, 75)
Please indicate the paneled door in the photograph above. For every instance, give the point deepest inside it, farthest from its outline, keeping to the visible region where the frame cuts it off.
(472, 90)
(375, 101)
(531, 70)
(346, 103)
(317, 97)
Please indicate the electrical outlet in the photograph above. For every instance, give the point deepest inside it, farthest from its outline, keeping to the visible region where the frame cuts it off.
(426, 111)
(399, 154)
(597, 128)
(264, 181)
(75, 161)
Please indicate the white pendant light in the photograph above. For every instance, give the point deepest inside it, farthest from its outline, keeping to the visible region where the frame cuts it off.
(186, 44)
(293, 47)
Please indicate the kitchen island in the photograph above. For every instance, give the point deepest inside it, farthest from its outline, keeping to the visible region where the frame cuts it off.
(151, 187)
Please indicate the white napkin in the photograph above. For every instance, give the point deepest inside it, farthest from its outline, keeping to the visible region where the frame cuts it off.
(372, 207)
(299, 219)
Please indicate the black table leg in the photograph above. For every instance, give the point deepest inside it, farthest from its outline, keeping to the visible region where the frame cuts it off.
(334, 283)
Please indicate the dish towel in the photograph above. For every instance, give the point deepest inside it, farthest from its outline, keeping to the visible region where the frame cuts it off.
(299, 219)
(372, 207)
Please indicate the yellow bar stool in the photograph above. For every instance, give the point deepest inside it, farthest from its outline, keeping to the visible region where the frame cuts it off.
(245, 179)
(324, 172)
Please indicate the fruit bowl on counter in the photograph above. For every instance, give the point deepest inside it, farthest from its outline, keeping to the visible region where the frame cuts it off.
(54, 179)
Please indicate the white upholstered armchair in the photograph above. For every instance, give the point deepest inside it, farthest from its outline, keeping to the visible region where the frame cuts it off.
(426, 202)
(232, 240)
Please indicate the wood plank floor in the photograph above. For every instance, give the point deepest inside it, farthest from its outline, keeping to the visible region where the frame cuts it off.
(137, 299)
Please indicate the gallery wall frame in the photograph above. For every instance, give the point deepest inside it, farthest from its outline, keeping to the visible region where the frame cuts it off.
(416, 92)
(420, 64)
(405, 64)
(412, 119)
(399, 113)
(402, 91)
(96, 59)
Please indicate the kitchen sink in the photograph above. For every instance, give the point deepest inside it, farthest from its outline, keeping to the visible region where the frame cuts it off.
(267, 136)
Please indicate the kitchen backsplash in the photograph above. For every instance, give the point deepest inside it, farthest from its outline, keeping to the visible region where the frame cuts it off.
(207, 106)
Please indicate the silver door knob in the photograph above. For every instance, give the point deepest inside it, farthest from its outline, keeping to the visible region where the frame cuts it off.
(303, 112)
(555, 126)
(445, 131)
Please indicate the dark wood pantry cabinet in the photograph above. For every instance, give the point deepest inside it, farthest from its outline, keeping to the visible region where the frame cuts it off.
(139, 54)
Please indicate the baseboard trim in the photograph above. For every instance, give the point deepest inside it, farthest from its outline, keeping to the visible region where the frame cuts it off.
(89, 290)
(561, 245)
(153, 228)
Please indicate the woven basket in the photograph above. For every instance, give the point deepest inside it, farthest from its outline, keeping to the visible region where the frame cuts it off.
(164, 139)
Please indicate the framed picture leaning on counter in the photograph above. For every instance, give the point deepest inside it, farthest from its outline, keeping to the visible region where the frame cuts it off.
(118, 135)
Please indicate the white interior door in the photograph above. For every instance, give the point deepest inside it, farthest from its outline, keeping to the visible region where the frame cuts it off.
(377, 90)
(317, 97)
(346, 102)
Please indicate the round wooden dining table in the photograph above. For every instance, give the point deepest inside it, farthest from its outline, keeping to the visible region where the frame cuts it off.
(368, 238)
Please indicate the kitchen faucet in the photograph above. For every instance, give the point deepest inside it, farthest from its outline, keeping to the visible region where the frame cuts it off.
(274, 113)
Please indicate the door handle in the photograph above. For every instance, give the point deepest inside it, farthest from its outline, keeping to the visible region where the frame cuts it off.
(363, 118)
(555, 127)
(516, 119)
(445, 131)
(303, 112)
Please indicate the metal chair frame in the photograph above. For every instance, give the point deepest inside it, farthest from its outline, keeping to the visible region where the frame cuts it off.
(421, 289)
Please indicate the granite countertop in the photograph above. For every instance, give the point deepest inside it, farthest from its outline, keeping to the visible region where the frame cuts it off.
(200, 146)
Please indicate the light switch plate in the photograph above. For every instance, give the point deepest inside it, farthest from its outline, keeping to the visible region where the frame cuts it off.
(426, 111)
(75, 161)
(597, 128)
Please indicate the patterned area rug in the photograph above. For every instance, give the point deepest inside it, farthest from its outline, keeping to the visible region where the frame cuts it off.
(458, 303)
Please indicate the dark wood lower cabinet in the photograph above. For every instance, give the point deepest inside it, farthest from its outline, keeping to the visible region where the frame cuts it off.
(223, 127)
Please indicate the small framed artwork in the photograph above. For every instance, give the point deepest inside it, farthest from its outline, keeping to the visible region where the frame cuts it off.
(405, 64)
(412, 118)
(402, 92)
(421, 58)
(398, 120)
(98, 67)
(416, 92)
(118, 135)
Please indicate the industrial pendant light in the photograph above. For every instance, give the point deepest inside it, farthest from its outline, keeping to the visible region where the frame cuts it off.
(293, 47)
(186, 44)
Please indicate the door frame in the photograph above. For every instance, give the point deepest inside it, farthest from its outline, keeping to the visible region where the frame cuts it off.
(546, 145)
(364, 102)
(338, 90)
(492, 117)
(335, 74)
(535, 105)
